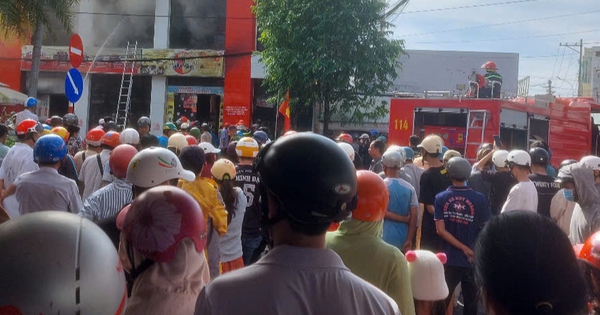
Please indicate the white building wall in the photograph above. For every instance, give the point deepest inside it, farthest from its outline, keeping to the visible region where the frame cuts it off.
(159, 83)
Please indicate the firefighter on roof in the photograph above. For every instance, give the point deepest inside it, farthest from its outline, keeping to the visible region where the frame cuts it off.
(493, 81)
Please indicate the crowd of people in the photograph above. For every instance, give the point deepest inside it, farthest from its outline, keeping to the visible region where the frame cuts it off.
(130, 223)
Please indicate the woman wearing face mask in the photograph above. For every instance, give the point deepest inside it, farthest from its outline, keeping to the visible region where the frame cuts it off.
(562, 204)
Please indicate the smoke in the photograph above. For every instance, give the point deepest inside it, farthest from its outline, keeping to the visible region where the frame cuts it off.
(194, 24)
(135, 20)
(202, 25)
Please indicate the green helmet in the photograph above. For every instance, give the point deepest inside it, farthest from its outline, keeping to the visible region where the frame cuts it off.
(195, 132)
(170, 126)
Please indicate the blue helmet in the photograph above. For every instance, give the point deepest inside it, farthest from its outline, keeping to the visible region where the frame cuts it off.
(410, 153)
(49, 149)
(444, 150)
(261, 136)
(31, 102)
(374, 133)
(46, 127)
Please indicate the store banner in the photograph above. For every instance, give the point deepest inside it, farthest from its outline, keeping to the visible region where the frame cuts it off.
(189, 99)
(169, 62)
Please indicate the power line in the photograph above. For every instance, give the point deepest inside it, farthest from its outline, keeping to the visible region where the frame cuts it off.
(503, 39)
(469, 6)
(501, 24)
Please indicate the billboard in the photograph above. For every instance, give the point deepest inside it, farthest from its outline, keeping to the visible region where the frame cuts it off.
(168, 62)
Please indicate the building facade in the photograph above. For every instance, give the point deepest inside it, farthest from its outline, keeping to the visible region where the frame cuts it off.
(193, 59)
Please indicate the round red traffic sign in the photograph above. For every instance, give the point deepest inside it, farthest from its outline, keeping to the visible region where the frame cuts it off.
(76, 50)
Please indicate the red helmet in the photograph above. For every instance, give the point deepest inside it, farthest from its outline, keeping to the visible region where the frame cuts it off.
(345, 137)
(161, 218)
(28, 126)
(111, 139)
(490, 65)
(590, 252)
(373, 197)
(94, 137)
(120, 158)
(191, 140)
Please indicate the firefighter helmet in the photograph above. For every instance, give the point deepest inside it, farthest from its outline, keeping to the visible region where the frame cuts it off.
(490, 65)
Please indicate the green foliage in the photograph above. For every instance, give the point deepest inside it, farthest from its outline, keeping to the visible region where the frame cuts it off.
(333, 52)
(19, 17)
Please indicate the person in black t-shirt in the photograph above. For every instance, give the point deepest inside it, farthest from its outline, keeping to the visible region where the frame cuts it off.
(500, 178)
(544, 183)
(433, 181)
(248, 180)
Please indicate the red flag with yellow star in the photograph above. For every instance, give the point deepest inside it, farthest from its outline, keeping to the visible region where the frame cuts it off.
(284, 109)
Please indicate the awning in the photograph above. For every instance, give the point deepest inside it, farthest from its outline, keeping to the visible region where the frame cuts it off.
(9, 96)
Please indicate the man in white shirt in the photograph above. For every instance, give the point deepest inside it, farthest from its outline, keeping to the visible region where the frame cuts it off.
(18, 160)
(45, 189)
(28, 112)
(206, 136)
(523, 196)
(92, 169)
(109, 200)
(299, 275)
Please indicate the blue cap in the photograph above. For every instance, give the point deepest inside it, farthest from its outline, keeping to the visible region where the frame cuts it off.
(49, 149)
(261, 136)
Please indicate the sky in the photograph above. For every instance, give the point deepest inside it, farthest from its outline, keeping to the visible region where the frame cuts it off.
(533, 28)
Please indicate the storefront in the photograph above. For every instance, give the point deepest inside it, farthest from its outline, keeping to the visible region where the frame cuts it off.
(201, 104)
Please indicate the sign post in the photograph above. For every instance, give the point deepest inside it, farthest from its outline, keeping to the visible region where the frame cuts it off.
(76, 51)
(73, 85)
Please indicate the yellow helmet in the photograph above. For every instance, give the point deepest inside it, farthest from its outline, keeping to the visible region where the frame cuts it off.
(62, 132)
(178, 141)
(247, 147)
(223, 169)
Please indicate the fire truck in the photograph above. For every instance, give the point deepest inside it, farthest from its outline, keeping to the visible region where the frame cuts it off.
(566, 124)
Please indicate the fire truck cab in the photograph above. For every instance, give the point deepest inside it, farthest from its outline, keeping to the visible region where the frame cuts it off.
(566, 124)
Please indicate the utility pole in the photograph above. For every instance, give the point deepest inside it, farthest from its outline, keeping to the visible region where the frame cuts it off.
(550, 92)
(580, 51)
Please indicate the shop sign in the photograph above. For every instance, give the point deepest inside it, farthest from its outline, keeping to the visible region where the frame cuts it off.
(168, 62)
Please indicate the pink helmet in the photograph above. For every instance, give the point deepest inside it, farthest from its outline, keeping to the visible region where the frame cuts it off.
(159, 219)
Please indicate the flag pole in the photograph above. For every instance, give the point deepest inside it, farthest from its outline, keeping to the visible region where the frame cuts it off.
(276, 115)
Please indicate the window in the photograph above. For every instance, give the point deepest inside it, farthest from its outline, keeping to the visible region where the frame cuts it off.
(197, 24)
(116, 22)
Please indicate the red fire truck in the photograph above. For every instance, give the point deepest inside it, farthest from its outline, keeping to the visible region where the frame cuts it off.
(464, 123)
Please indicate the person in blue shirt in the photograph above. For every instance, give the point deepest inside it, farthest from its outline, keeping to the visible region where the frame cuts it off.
(168, 129)
(460, 213)
(400, 223)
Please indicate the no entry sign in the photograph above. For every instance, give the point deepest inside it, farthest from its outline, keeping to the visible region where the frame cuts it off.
(76, 51)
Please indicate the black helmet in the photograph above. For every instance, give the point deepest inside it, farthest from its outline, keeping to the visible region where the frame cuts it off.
(459, 168)
(70, 120)
(567, 162)
(143, 121)
(311, 176)
(539, 156)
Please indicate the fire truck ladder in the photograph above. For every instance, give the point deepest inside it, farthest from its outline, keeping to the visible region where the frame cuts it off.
(124, 101)
(476, 123)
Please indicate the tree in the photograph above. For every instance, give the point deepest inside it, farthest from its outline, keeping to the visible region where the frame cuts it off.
(334, 52)
(22, 18)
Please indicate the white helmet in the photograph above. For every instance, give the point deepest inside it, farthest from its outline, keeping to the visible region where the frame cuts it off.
(348, 149)
(177, 141)
(154, 166)
(208, 148)
(399, 149)
(130, 136)
(499, 158)
(592, 161)
(519, 157)
(56, 262)
(432, 144)
(392, 159)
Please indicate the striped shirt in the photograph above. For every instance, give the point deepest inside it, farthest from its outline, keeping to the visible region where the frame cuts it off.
(107, 201)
